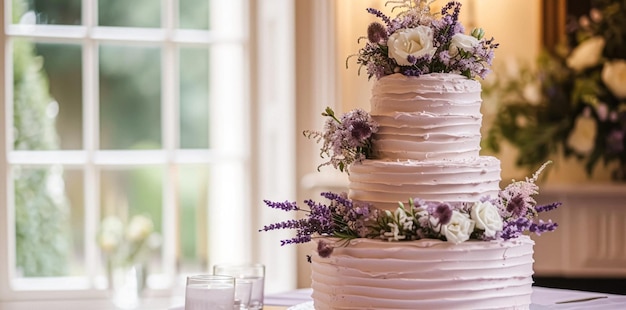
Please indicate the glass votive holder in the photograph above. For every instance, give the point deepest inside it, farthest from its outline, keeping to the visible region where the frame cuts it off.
(254, 273)
(210, 292)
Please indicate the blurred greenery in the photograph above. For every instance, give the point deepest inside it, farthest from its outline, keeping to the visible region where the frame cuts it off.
(41, 227)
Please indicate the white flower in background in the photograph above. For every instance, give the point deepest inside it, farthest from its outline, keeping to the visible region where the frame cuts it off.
(614, 77)
(532, 93)
(462, 41)
(459, 228)
(416, 42)
(583, 135)
(487, 218)
(111, 233)
(587, 54)
(139, 228)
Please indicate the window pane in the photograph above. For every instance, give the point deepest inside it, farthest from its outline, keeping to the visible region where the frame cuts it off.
(194, 98)
(74, 191)
(46, 96)
(46, 216)
(125, 194)
(62, 63)
(125, 13)
(130, 97)
(193, 14)
(193, 190)
(51, 12)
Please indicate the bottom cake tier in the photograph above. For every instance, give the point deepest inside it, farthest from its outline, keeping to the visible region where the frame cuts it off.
(424, 274)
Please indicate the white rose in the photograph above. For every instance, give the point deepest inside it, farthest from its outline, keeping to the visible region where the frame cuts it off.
(614, 77)
(487, 218)
(587, 54)
(583, 135)
(139, 228)
(416, 41)
(459, 228)
(463, 42)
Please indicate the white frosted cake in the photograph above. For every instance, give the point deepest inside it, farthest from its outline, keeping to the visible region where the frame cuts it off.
(425, 274)
(424, 224)
(427, 144)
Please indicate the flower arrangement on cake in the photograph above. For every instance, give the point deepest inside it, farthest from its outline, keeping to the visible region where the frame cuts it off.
(578, 108)
(414, 43)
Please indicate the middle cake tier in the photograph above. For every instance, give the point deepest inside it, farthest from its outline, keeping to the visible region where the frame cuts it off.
(384, 183)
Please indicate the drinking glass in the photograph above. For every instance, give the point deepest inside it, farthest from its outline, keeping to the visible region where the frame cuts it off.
(255, 273)
(210, 292)
(243, 291)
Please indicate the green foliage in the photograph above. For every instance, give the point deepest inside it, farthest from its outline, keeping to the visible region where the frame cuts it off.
(41, 228)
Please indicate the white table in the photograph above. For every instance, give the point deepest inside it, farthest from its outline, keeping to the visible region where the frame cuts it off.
(542, 298)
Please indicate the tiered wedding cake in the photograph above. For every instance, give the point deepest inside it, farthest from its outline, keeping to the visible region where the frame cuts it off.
(425, 224)
(427, 146)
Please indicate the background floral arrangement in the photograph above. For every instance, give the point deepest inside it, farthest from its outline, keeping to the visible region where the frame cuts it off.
(127, 244)
(579, 108)
(415, 42)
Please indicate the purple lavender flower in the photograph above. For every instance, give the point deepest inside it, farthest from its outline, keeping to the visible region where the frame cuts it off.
(286, 205)
(542, 227)
(548, 207)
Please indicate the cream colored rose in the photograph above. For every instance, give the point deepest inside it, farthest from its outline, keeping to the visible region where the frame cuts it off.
(459, 228)
(462, 41)
(583, 136)
(139, 228)
(487, 218)
(587, 54)
(614, 77)
(416, 41)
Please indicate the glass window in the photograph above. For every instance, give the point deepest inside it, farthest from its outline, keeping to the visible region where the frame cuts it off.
(125, 13)
(108, 120)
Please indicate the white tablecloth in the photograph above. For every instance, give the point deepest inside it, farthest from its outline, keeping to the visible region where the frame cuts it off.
(542, 298)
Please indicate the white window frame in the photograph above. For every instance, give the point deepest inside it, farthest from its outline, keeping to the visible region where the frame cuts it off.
(268, 158)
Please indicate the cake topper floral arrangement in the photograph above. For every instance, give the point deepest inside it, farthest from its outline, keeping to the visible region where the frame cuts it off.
(413, 43)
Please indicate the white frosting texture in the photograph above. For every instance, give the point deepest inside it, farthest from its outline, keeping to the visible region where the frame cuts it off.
(384, 183)
(424, 274)
(431, 117)
(427, 143)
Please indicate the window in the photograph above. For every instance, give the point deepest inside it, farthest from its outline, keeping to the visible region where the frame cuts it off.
(120, 108)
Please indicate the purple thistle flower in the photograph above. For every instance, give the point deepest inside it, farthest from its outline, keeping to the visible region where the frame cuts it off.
(360, 130)
(376, 33)
(443, 213)
(517, 206)
(324, 249)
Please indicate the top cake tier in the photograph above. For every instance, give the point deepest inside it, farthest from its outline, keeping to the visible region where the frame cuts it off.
(430, 117)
